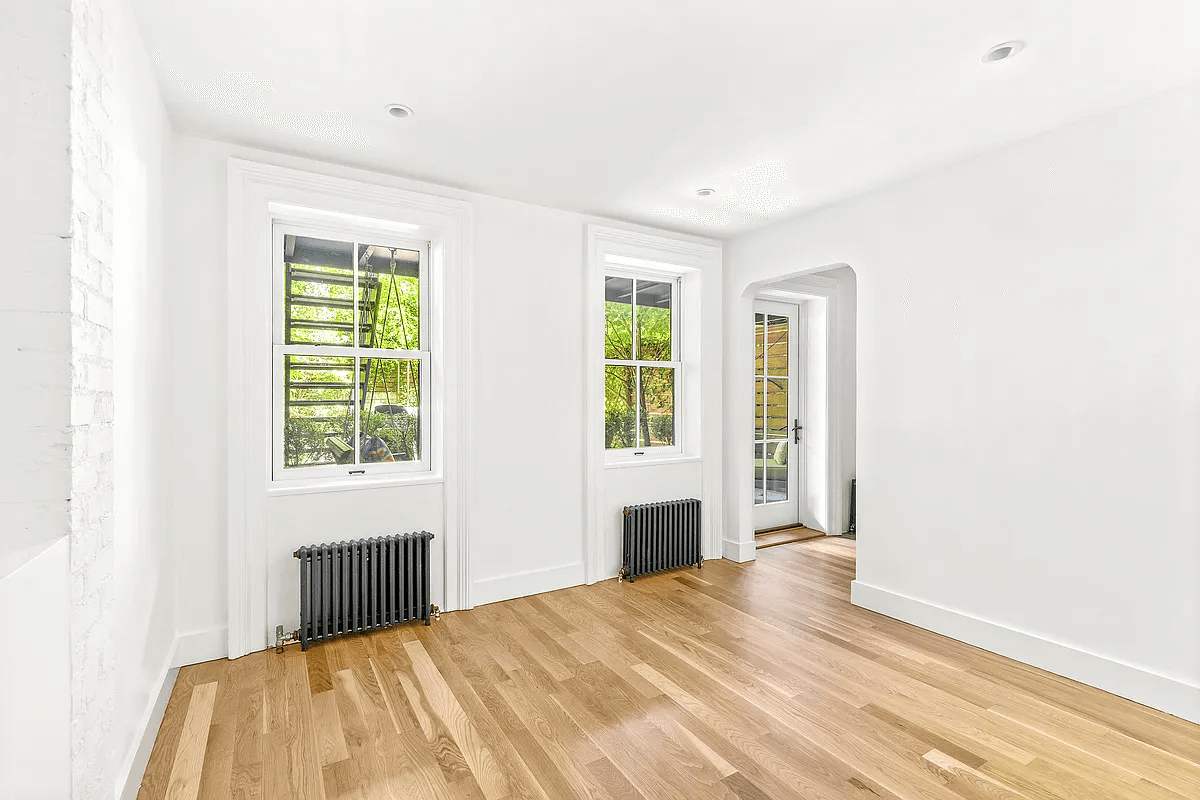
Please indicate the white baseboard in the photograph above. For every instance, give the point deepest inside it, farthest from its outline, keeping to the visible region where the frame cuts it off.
(740, 552)
(522, 584)
(1167, 694)
(129, 778)
(200, 646)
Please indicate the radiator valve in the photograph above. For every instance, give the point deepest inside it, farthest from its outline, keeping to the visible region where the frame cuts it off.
(282, 641)
(434, 611)
(621, 574)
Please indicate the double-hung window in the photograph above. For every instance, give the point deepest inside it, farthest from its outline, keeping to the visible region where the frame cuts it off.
(351, 354)
(642, 364)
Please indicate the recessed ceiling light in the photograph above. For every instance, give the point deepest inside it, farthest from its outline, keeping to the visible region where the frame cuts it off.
(1002, 52)
(399, 112)
(706, 192)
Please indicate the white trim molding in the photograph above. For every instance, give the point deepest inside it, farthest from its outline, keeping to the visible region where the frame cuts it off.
(133, 768)
(1135, 683)
(740, 552)
(200, 646)
(739, 492)
(256, 194)
(698, 264)
(523, 584)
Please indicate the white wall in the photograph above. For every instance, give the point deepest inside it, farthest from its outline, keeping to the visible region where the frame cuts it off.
(35, 682)
(526, 425)
(143, 440)
(1028, 394)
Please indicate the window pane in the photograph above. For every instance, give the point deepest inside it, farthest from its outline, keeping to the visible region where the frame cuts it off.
(618, 319)
(389, 297)
(759, 363)
(318, 291)
(777, 345)
(653, 321)
(318, 411)
(775, 472)
(619, 416)
(759, 496)
(777, 408)
(389, 416)
(657, 407)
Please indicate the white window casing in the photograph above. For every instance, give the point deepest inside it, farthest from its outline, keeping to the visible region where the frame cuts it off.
(259, 195)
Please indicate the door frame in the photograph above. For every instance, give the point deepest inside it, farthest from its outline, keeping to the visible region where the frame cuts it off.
(738, 544)
(797, 312)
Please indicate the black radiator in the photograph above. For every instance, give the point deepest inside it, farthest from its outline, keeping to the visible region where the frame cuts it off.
(361, 585)
(853, 504)
(659, 536)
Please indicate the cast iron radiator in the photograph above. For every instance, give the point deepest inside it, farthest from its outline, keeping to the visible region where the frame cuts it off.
(659, 536)
(361, 585)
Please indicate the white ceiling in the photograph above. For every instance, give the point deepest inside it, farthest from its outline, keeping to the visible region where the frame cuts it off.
(625, 107)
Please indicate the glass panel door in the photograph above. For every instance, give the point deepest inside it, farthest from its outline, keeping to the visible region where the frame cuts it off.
(776, 466)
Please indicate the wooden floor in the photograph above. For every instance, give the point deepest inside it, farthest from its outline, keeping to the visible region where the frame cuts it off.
(777, 536)
(736, 681)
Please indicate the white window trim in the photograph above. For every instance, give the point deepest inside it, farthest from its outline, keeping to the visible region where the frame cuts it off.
(698, 266)
(641, 455)
(317, 479)
(257, 194)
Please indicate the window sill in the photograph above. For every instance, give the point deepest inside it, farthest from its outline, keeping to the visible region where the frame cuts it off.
(651, 462)
(320, 486)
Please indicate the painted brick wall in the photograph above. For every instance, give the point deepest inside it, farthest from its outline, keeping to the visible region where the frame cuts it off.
(93, 679)
(35, 209)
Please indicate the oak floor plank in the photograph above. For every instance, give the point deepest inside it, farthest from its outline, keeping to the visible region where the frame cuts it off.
(184, 783)
(162, 755)
(216, 777)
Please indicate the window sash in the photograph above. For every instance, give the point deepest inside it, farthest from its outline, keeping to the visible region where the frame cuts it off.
(620, 453)
(355, 237)
(282, 475)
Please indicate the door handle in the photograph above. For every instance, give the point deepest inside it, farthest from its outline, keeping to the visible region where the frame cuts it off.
(796, 428)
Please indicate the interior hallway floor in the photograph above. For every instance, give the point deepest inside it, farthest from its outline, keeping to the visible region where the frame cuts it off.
(773, 537)
(735, 681)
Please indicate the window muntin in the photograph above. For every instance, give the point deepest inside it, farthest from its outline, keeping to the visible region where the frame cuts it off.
(642, 366)
(350, 389)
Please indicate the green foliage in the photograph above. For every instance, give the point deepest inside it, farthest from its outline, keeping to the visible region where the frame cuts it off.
(618, 331)
(654, 334)
(618, 407)
(304, 439)
(662, 429)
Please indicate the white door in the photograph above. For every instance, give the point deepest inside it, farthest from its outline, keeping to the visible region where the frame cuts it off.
(778, 429)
